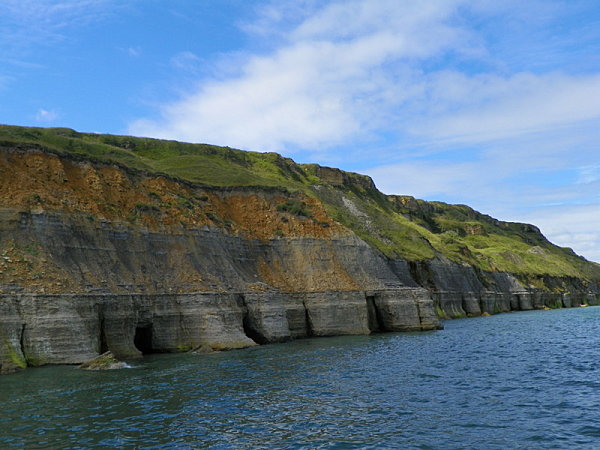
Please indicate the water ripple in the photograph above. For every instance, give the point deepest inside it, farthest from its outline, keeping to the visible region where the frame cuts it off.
(527, 380)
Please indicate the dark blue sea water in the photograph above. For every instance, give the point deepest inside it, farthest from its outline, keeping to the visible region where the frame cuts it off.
(522, 380)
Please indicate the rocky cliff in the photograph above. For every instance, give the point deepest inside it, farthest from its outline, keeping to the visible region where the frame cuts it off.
(107, 244)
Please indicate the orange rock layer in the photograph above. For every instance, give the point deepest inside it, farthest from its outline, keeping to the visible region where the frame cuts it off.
(43, 182)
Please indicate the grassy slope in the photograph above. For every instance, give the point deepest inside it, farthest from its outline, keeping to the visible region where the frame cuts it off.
(398, 226)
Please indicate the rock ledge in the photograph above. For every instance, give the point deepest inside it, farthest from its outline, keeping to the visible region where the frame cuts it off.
(106, 361)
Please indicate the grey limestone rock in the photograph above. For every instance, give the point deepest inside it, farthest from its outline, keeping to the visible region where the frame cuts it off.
(297, 315)
(11, 335)
(459, 290)
(266, 318)
(58, 329)
(236, 293)
(408, 309)
(337, 313)
(105, 361)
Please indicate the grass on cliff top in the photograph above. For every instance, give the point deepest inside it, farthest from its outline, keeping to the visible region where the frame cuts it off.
(467, 236)
(397, 226)
(456, 231)
(199, 163)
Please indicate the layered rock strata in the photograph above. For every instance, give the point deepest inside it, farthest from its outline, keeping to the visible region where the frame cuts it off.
(42, 329)
(96, 257)
(240, 292)
(461, 291)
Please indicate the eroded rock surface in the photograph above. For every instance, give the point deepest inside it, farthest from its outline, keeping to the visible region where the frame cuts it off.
(70, 329)
(459, 291)
(106, 361)
(97, 258)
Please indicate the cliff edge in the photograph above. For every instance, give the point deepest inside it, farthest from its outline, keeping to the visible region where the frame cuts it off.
(134, 245)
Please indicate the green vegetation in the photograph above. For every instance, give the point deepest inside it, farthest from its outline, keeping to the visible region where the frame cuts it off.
(399, 226)
(13, 356)
(182, 348)
(464, 235)
(295, 207)
(199, 163)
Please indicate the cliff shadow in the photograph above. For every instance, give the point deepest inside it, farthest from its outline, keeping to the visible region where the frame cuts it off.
(143, 339)
(374, 315)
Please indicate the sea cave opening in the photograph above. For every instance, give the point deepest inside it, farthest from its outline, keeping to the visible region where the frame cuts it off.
(374, 315)
(143, 339)
(103, 343)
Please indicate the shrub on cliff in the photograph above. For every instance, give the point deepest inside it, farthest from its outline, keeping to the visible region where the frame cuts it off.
(294, 207)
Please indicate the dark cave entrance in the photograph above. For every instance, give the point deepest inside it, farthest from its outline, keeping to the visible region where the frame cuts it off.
(143, 339)
(374, 316)
(103, 343)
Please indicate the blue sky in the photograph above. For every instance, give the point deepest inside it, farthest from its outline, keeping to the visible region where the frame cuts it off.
(492, 104)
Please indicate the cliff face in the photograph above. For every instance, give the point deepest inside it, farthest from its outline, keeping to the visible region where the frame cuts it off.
(96, 256)
(131, 290)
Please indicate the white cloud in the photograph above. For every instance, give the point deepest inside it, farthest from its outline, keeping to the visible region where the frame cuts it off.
(551, 180)
(490, 191)
(575, 227)
(134, 52)
(589, 174)
(426, 179)
(186, 60)
(327, 84)
(44, 115)
(270, 106)
(316, 90)
(465, 125)
(492, 107)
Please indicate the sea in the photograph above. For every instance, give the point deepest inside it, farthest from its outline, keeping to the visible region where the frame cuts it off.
(510, 381)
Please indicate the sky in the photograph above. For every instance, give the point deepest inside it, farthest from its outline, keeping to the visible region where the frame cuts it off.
(479, 102)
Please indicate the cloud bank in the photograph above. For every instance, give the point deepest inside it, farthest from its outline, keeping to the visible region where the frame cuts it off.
(433, 99)
(323, 85)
